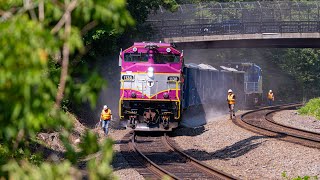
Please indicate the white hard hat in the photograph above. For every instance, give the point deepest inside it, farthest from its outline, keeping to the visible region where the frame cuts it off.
(270, 90)
(105, 107)
(230, 90)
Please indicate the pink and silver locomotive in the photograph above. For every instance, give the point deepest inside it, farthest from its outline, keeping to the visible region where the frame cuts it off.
(150, 89)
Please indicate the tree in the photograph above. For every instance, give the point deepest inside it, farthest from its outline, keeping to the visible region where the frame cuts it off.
(304, 65)
(37, 38)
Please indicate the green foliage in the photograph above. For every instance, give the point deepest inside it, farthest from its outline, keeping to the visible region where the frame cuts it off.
(303, 65)
(88, 144)
(33, 167)
(284, 175)
(311, 108)
(25, 170)
(31, 39)
(25, 88)
(105, 41)
(100, 167)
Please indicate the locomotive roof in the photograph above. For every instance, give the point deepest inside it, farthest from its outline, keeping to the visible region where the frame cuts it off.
(160, 44)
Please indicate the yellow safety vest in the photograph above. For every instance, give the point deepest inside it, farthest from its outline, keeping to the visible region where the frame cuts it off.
(231, 99)
(270, 95)
(106, 115)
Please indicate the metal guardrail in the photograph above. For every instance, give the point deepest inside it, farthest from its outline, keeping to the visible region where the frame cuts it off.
(240, 28)
(236, 18)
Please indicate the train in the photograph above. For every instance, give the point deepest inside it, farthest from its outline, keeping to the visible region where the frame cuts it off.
(253, 92)
(156, 86)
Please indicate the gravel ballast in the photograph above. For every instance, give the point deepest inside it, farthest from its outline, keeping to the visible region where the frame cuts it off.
(293, 119)
(247, 155)
(120, 166)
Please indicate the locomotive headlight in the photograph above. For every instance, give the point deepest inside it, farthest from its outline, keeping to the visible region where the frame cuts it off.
(150, 72)
(134, 49)
(166, 95)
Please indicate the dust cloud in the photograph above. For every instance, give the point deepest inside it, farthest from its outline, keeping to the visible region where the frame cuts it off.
(108, 68)
(273, 78)
(284, 86)
(201, 115)
(109, 95)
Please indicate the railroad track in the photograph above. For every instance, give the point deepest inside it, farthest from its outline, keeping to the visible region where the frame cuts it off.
(157, 156)
(260, 121)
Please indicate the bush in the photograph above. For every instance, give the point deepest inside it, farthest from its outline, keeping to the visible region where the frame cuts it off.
(311, 108)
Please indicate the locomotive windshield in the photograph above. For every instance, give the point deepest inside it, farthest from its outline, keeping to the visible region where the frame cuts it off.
(166, 58)
(136, 57)
(253, 74)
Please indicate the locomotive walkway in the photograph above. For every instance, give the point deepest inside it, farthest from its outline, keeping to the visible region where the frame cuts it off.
(241, 24)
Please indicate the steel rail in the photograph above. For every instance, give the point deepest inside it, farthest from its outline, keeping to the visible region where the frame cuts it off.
(286, 126)
(151, 165)
(197, 163)
(291, 137)
(180, 166)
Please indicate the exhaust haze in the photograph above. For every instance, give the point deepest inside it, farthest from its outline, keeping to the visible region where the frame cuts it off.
(273, 78)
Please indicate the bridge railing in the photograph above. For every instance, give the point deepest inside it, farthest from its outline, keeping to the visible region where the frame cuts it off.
(236, 28)
(236, 18)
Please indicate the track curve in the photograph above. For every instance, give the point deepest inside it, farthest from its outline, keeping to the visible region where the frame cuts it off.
(162, 158)
(260, 121)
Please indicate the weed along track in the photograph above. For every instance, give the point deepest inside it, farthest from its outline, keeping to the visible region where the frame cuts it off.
(156, 156)
(260, 121)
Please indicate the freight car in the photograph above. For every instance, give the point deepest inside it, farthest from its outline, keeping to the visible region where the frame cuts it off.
(205, 84)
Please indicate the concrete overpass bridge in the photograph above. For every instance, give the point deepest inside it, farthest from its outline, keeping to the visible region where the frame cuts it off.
(241, 24)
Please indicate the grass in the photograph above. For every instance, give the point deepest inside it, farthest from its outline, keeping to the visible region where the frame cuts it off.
(286, 177)
(311, 108)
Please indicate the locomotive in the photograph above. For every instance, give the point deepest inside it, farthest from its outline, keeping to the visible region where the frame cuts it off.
(156, 86)
(252, 82)
(151, 83)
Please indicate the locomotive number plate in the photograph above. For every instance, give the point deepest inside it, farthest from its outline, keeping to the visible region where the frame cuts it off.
(128, 78)
(173, 78)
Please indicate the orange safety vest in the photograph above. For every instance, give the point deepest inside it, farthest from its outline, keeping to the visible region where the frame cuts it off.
(231, 99)
(270, 95)
(106, 115)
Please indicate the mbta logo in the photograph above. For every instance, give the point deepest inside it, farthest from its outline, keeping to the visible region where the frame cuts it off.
(150, 83)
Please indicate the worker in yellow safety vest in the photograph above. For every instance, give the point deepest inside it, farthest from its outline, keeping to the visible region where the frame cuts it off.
(231, 99)
(270, 97)
(105, 118)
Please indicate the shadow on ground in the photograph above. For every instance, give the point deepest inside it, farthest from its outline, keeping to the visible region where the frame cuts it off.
(235, 150)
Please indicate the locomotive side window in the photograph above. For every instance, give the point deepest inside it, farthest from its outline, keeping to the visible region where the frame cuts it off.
(166, 58)
(136, 57)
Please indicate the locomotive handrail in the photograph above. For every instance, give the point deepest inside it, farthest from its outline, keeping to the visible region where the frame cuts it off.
(177, 96)
(121, 98)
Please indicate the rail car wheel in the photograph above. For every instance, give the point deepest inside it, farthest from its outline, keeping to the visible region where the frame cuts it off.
(132, 121)
(166, 119)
